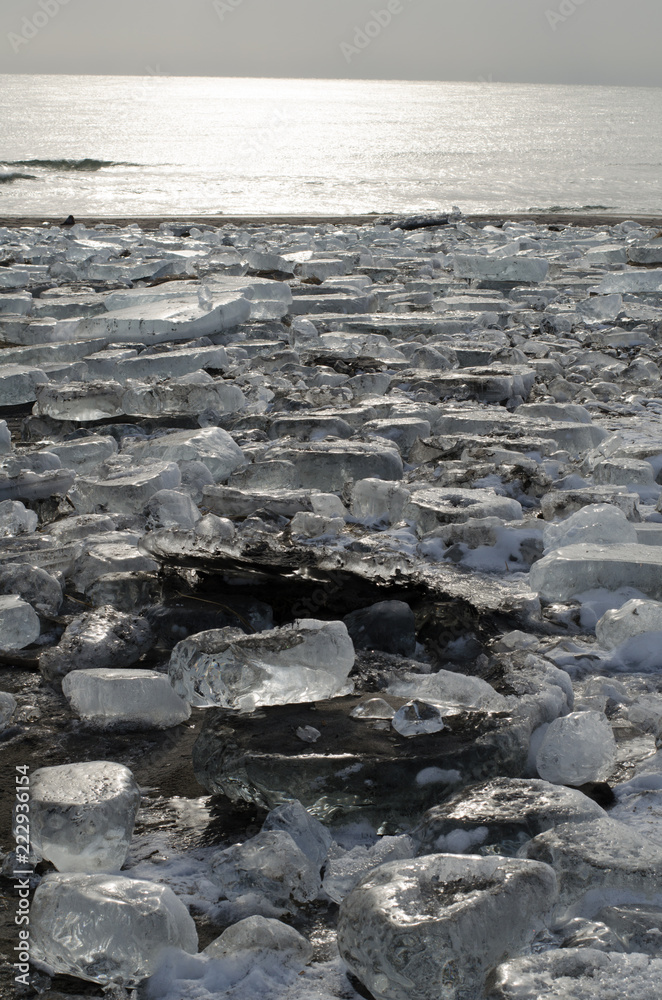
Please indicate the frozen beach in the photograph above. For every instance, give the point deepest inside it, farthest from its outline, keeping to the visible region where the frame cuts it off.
(331, 604)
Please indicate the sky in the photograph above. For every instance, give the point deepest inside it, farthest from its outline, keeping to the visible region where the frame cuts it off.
(530, 41)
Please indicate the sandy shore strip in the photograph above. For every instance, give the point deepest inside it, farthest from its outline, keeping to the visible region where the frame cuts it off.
(149, 223)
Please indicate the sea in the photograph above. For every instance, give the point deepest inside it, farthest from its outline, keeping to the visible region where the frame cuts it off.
(189, 146)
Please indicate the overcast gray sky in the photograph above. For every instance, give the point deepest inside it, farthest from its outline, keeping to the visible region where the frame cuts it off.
(546, 41)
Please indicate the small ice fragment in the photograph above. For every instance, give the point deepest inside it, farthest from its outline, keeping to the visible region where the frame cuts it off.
(417, 718)
(7, 708)
(308, 734)
(345, 869)
(634, 618)
(373, 708)
(262, 941)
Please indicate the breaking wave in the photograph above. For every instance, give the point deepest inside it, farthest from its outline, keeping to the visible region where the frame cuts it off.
(6, 177)
(87, 165)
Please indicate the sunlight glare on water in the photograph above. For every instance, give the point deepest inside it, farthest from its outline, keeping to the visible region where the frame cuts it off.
(252, 146)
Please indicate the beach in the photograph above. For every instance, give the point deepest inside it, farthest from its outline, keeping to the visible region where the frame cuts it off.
(338, 538)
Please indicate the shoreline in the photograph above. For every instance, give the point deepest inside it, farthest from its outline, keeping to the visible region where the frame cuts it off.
(152, 222)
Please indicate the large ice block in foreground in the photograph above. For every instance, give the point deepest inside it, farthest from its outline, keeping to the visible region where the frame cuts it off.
(19, 625)
(110, 697)
(308, 660)
(82, 815)
(102, 638)
(574, 569)
(579, 974)
(106, 929)
(576, 749)
(434, 927)
(635, 618)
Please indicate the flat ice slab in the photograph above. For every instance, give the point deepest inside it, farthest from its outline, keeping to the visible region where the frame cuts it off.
(575, 569)
(141, 698)
(168, 319)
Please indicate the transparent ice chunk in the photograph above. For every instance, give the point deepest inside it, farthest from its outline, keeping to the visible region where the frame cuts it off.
(345, 869)
(171, 509)
(7, 708)
(579, 974)
(307, 832)
(599, 523)
(270, 866)
(575, 569)
(102, 638)
(576, 749)
(599, 862)
(417, 718)
(635, 617)
(15, 519)
(19, 625)
(34, 585)
(413, 930)
(308, 660)
(82, 815)
(124, 492)
(74, 917)
(210, 445)
(110, 697)
(449, 689)
(261, 940)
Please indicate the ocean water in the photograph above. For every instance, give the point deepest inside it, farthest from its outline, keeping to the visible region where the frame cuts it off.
(192, 146)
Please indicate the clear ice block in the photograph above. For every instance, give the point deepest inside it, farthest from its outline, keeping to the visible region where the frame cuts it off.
(106, 929)
(82, 815)
(111, 696)
(19, 625)
(269, 866)
(576, 749)
(307, 661)
(436, 926)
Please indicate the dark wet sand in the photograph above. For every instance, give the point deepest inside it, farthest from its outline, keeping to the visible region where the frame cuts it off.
(497, 218)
